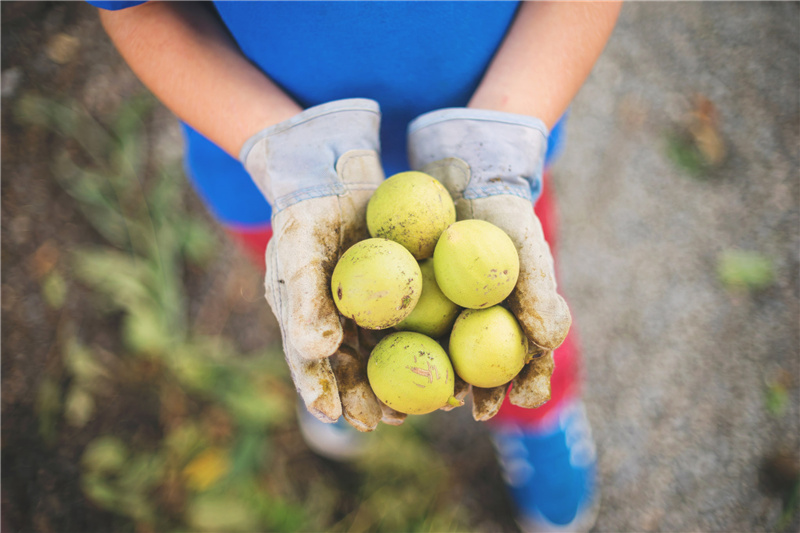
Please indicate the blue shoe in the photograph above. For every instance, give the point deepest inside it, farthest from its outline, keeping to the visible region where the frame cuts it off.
(338, 441)
(551, 472)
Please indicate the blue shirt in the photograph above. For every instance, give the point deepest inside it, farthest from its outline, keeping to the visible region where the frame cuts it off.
(410, 56)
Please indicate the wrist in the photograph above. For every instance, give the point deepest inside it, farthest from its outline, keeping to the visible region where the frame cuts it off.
(504, 101)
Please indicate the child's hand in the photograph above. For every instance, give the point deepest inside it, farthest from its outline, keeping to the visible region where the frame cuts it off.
(491, 163)
(318, 171)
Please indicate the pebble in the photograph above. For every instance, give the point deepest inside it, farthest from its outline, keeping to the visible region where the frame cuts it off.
(62, 48)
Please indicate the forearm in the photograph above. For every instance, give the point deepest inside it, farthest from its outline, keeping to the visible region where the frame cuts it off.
(183, 55)
(545, 58)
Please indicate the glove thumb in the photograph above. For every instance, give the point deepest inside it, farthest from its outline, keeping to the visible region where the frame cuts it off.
(299, 266)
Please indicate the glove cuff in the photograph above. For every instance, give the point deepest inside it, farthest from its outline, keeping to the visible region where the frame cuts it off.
(505, 151)
(295, 160)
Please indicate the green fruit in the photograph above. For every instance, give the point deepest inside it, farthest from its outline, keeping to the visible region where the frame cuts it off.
(434, 313)
(411, 208)
(487, 346)
(377, 283)
(476, 264)
(411, 373)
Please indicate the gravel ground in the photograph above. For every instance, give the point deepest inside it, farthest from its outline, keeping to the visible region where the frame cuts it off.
(678, 367)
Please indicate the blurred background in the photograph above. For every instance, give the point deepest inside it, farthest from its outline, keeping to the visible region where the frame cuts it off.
(143, 385)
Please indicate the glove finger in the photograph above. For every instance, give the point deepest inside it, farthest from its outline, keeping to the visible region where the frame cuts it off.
(300, 260)
(541, 311)
(531, 387)
(486, 402)
(390, 416)
(359, 404)
(316, 384)
(461, 391)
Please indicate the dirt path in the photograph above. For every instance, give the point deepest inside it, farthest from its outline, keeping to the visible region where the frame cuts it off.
(679, 368)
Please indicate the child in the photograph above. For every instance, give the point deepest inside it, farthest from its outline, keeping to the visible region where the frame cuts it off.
(241, 74)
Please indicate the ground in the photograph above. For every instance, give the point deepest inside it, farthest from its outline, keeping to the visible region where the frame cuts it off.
(679, 197)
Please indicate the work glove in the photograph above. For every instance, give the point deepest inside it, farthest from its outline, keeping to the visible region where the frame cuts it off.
(318, 171)
(492, 165)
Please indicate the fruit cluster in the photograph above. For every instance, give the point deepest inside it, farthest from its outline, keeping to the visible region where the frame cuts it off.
(438, 282)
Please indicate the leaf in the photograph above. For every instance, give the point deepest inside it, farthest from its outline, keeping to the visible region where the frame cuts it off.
(685, 154)
(249, 453)
(44, 259)
(184, 440)
(106, 454)
(164, 198)
(130, 117)
(67, 120)
(48, 405)
(130, 131)
(698, 146)
(95, 197)
(740, 269)
(207, 468)
(216, 512)
(54, 290)
(79, 406)
(137, 506)
(128, 160)
(120, 277)
(704, 128)
(192, 371)
(35, 110)
(256, 408)
(142, 472)
(144, 331)
(790, 508)
(198, 241)
(777, 398)
(100, 491)
(82, 364)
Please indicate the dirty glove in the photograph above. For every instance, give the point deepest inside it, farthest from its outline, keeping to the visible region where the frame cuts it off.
(318, 170)
(492, 163)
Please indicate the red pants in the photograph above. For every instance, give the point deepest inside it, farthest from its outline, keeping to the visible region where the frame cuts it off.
(565, 382)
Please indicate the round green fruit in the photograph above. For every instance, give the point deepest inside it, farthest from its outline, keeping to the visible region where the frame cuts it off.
(377, 283)
(434, 313)
(411, 373)
(411, 208)
(487, 346)
(476, 264)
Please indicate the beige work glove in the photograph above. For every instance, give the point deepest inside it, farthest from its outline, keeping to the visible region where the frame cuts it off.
(318, 170)
(492, 163)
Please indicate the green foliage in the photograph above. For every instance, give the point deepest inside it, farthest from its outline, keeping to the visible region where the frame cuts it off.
(105, 454)
(54, 289)
(685, 155)
(191, 479)
(121, 481)
(48, 408)
(777, 399)
(745, 270)
(87, 373)
(220, 512)
(405, 486)
(790, 508)
(79, 406)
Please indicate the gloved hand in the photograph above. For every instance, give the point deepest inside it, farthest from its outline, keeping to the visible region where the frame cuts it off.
(492, 163)
(318, 170)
